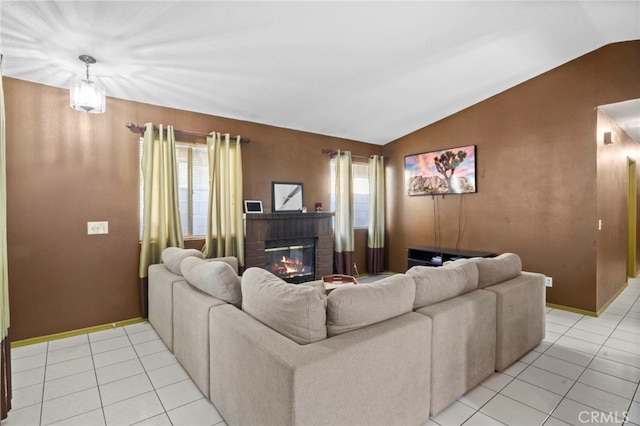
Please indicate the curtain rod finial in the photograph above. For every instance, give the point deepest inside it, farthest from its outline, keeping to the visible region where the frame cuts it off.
(135, 128)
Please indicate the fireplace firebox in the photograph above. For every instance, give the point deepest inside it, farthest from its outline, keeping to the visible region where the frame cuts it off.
(265, 231)
(294, 263)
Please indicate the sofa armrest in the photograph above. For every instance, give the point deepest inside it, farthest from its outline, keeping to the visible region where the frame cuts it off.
(379, 374)
(160, 299)
(191, 331)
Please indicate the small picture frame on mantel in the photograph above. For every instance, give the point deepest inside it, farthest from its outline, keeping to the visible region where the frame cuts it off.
(252, 206)
(287, 197)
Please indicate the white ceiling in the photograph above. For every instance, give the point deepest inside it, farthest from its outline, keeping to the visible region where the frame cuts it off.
(369, 71)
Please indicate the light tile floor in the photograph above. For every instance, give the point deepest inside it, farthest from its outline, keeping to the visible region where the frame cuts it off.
(586, 371)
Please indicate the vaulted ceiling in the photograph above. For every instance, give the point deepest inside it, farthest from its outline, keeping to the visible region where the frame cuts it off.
(369, 71)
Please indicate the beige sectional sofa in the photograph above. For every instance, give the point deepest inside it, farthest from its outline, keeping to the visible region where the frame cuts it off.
(391, 352)
(179, 310)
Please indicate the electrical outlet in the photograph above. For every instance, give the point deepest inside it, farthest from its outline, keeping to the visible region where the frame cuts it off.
(548, 281)
(94, 228)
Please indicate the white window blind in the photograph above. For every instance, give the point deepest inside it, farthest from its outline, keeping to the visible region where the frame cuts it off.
(193, 188)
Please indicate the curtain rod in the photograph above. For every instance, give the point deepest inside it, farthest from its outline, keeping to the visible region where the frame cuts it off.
(139, 128)
(332, 153)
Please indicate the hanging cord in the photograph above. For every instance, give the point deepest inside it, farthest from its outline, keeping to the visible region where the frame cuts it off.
(460, 230)
(439, 228)
(436, 225)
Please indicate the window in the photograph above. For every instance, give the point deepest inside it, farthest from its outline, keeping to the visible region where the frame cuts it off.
(193, 188)
(360, 193)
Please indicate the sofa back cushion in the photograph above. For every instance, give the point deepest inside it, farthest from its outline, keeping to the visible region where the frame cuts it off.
(231, 260)
(350, 307)
(295, 311)
(435, 284)
(495, 270)
(215, 278)
(172, 257)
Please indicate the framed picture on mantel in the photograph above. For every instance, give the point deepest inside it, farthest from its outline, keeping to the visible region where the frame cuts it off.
(286, 196)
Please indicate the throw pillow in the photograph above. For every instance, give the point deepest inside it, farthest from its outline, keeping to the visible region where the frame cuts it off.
(172, 257)
(350, 307)
(435, 284)
(295, 311)
(215, 278)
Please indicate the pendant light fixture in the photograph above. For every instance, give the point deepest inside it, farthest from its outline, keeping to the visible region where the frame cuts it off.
(87, 95)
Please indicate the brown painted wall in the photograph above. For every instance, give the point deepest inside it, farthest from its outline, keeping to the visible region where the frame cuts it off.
(537, 168)
(65, 168)
(537, 172)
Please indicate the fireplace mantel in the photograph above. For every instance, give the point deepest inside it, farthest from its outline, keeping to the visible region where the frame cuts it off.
(287, 215)
(263, 229)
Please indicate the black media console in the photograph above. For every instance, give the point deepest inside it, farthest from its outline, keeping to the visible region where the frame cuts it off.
(433, 256)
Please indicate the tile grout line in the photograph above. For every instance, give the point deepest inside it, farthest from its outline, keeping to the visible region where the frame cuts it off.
(94, 370)
(506, 396)
(70, 375)
(44, 380)
(585, 368)
(95, 373)
(155, 391)
(132, 346)
(636, 301)
(590, 362)
(146, 372)
(547, 415)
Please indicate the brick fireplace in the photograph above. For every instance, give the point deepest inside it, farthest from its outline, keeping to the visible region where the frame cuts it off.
(297, 247)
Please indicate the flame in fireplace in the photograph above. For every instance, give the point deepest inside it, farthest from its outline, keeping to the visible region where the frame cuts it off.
(289, 266)
(292, 265)
(290, 262)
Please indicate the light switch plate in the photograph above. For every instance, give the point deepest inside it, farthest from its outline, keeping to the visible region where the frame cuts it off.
(96, 228)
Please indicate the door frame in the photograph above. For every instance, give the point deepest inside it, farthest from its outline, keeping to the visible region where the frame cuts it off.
(631, 217)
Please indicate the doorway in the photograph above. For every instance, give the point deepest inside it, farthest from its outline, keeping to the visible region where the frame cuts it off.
(632, 199)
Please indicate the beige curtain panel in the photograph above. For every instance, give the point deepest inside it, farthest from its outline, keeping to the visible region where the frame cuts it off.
(375, 234)
(160, 217)
(343, 260)
(5, 344)
(225, 227)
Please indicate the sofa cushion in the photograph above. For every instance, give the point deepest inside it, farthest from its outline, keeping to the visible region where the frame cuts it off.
(435, 284)
(494, 270)
(294, 311)
(172, 257)
(215, 278)
(350, 307)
